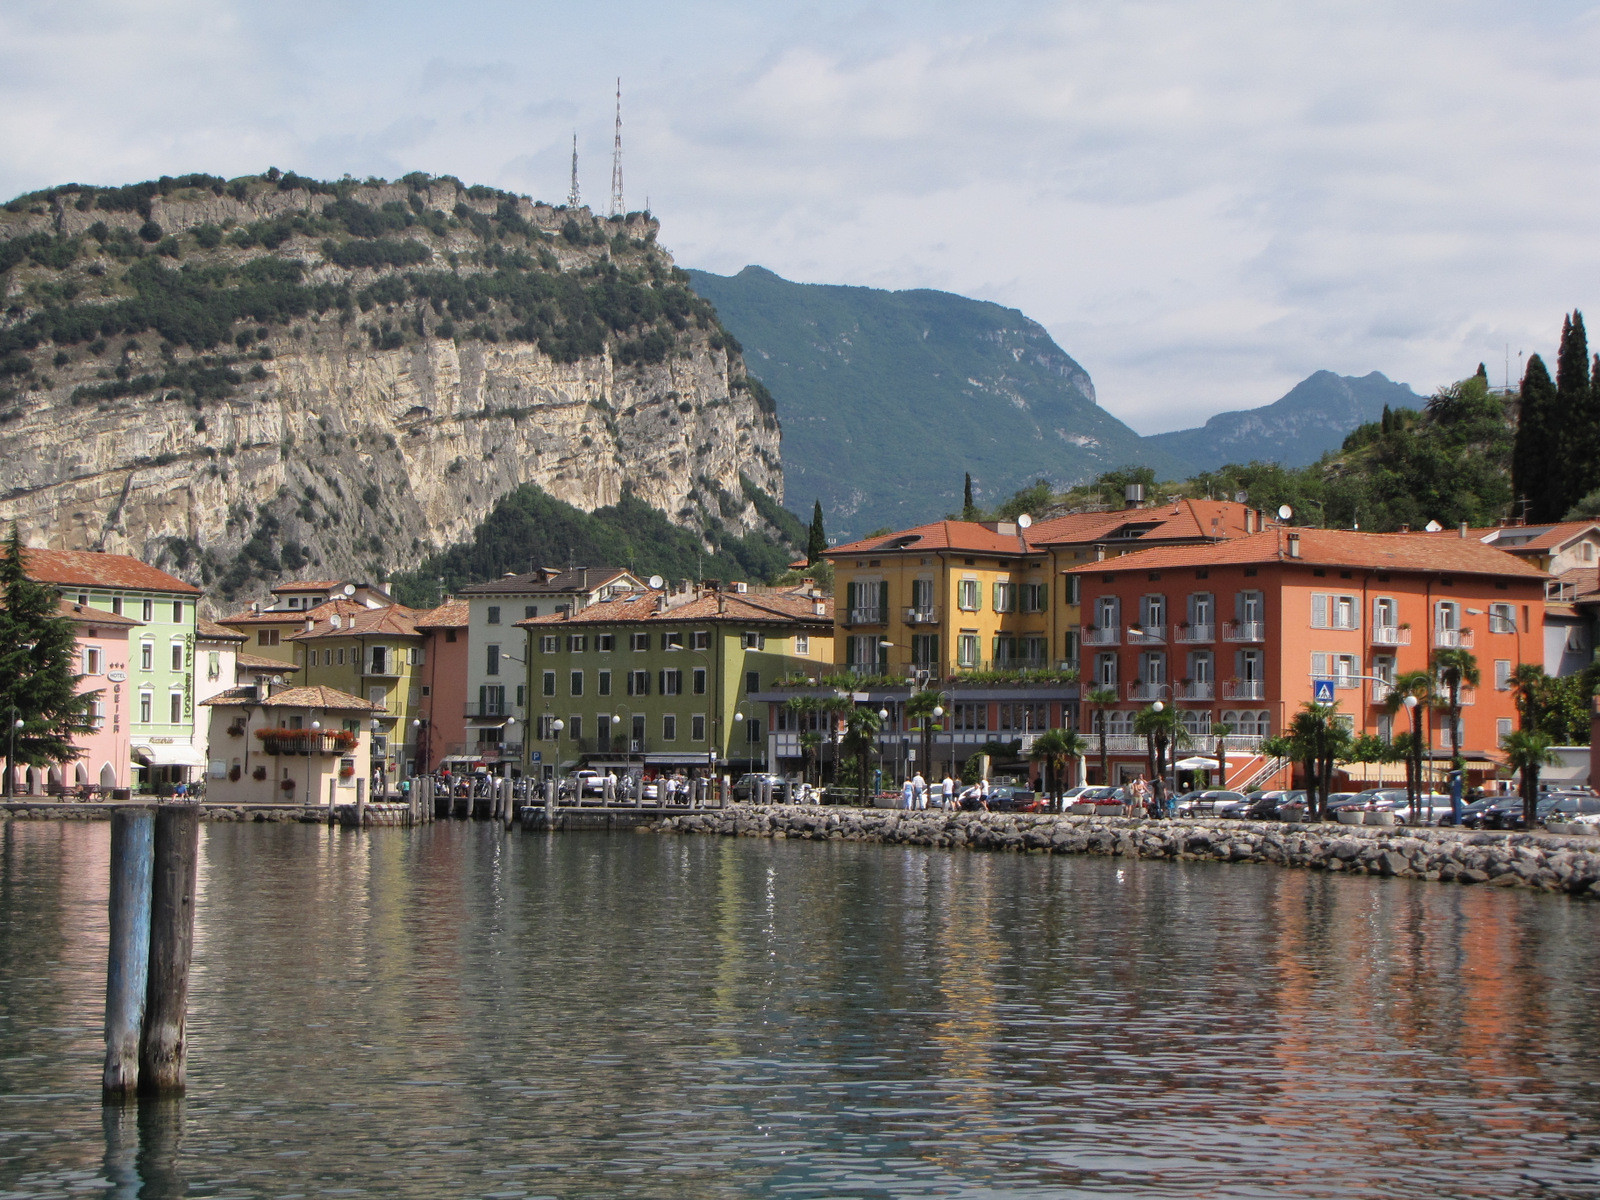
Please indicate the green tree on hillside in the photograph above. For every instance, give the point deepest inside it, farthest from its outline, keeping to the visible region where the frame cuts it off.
(969, 510)
(1575, 401)
(817, 539)
(1537, 449)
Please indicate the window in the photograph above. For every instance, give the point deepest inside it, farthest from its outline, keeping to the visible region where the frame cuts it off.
(752, 731)
(1074, 589)
(1248, 608)
(1447, 616)
(638, 731)
(697, 727)
(149, 607)
(91, 660)
(967, 595)
(491, 700)
(1153, 666)
(1035, 596)
(970, 717)
(638, 641)
(549, 683)
(417, 653)
(549, 644)
(1105, 670)
(925, 650)
(575, 686)
(116, 605)
(672, 639)
(603, 642)
(1107, 612)
(755, 641)
(266, 637)
(175, 708)
(1005, 597)
(1502, 618)
(699, 681)
(967, 649)
(752, 682)
(1152, 612)
(494, 614)
(1069, 648)
(802, 644)
(1334, 611)
(1201, 668)
(341, 655)
(177, 612)
(672, 683)
(638, 683)
(1202, 608)
(177, 656)
(214, 664)
(1341, 668)
(146, 703)
(97, 713)
(380, 660)
(669, 728)
(700, 639)
(530, 611)
(311, 658)
(1385, 612)
(449, 635)
(147, 656)
(577, 642)
(547, 728)
(1502, 729)
(491, 665)
(521, 694)
(603, 687)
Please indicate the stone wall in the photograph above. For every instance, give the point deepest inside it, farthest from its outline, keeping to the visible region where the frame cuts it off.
(1533, 860)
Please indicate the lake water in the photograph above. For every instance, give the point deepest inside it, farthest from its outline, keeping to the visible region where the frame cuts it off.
(451, 1011)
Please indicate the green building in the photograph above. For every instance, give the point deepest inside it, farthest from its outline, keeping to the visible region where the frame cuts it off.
(660, 681)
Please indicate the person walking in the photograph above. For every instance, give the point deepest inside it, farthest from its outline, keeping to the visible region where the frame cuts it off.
(949, 792)
(907, 795)
(919, 791)
(983, 793)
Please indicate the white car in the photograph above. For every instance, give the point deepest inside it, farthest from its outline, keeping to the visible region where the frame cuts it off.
(589, 783)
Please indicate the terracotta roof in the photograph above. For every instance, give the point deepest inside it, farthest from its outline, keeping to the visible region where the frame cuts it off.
(254, 662)
(82, 614)
(1180, 520)
(356, 620)
(90, 568)
(572, 581)
(452, 614)
(314, 696)
(210, 631)
(308, 585)
(1539, 538)
(969, 536)
(789, 608)
(1333, 548)
(293, 616)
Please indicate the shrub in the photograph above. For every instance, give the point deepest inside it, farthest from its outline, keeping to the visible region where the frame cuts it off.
(150, 231)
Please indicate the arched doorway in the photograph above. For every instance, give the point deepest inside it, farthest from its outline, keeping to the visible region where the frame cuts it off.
(108, 776)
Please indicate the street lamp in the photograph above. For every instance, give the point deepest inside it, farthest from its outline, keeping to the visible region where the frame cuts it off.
(11, 759)
(883, 720)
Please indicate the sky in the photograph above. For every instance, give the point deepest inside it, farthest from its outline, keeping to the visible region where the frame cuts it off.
(1202, 201)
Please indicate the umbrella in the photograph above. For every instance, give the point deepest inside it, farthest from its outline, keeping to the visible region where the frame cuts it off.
(1195, 763)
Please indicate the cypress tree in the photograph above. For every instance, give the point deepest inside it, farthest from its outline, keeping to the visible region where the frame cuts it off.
(817, 541)
(969, 510)
(38, 661)
(1386, 422)
(1536, 449)
(1573, 426)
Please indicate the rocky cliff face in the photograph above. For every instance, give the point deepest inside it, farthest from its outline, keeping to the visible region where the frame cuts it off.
(229, 380)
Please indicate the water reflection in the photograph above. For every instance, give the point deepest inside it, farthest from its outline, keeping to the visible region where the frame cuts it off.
(452, 1011)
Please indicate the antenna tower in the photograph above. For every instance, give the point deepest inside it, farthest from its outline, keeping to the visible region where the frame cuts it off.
(574, 197)
(618, 208)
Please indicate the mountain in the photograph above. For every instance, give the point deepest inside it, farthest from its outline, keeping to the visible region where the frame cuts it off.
(234, 379)
(1296, 430)
(889, 398)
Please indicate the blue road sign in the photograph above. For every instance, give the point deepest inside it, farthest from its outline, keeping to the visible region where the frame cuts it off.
(535, 755)
(1322, 691)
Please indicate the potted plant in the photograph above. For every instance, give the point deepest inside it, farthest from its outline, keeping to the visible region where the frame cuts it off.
(287, 785)
(258, 774)
(234, 772)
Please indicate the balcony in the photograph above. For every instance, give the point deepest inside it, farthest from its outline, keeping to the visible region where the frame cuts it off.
(1139, 690)
(1452, 639)
(1195, 635)
(1244, 631)
(1109, 636)
(1196, 743)
(473, 710)
(308, 742)
(1244, 689)
(1467, 695)
(1147, 635)
(869, 615)
(922, 616)
(1391, 635)
(1196, 691)
(1381, 692)
(389, 668)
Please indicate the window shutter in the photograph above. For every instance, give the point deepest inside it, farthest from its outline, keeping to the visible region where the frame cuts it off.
(850, 650)
(1319, 666)
(850, 595)
(1319, 610)
(661, 680)
(630, 683)
(883, 600)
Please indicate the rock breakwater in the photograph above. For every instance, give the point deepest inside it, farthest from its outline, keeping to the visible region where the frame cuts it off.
(1539, 861)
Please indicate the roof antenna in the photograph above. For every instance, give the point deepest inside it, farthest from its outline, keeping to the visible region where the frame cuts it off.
(618, 208)
(574, 197)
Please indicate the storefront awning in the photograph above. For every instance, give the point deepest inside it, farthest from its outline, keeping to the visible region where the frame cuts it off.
(174, 754)
(676, 760)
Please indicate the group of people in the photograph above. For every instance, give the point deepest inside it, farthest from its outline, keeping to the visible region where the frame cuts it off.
(915, 793)
(1150, 797)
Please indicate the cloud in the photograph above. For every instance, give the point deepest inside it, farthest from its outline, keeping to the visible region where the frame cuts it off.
(1204, 200)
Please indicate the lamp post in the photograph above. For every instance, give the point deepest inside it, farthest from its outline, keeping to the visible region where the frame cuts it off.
(421, 759)
(511, 731)
(883, 717)
(15, 724)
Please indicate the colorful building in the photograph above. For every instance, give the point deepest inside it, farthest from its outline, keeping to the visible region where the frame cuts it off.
(660, 680)
(1246, 631)
(269, 627)
(298, 745)
(442, 735)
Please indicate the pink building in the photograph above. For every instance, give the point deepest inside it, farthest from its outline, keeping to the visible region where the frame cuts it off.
(443, 706)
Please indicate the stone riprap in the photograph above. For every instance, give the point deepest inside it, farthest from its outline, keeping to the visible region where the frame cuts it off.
(1541, 861)
(56, 810)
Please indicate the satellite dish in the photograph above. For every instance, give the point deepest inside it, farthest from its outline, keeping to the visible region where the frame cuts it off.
(1024, 521)
(1284, 512)
(349, 589)
(656, 581)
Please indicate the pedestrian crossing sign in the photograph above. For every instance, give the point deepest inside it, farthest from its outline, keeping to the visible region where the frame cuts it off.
(1322, 691)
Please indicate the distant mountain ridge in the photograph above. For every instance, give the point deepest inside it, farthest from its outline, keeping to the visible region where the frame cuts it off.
(1312, 418)
(888, 398)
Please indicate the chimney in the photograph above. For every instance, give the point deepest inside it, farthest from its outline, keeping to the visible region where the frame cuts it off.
(1247, 521)
(1405, 528)
(1133, 495)
(1294, 545)
(1463, 529)
(1100, 554)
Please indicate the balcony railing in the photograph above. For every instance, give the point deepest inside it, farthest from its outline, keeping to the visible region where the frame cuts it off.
(1195, 634)
(866, 615)
(1450, 639)
(1244, 689)
(1138, 690)
(1390, 635)
(1109, 636)
(1381, 692)
(492, 711)
(1196, 691)
(308, 742)
(1193, 743)
(1244, 631)
(1468, 696)
(1146, 635)
(388, 669)
(922, 616)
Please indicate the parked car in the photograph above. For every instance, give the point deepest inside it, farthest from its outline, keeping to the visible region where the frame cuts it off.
(1266, 806)
(589, 783)
(745, 785)
(1072, 796)
(1213, 802)
(1002, 798)
(1102, 795)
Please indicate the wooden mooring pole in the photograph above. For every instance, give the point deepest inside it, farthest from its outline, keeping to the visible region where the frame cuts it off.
(128, 954)
(163, 1047)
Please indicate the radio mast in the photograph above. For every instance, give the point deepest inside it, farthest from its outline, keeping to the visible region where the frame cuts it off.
(618, 208)
(574, 197)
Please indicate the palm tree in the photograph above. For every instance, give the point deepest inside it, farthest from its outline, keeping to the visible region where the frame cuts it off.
(1319, 738)
(1526, 751)
(1420, 688)
(1102, 698)
(1222, 729)
(1530, 687)
(811, 745)
(860, 736)
(1055, 748)
(1454, 668)
(833, 708)
(1160, 728)
(803, 707)
(921, 707)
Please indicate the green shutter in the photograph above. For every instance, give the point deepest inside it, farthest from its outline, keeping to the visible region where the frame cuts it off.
(883, 600)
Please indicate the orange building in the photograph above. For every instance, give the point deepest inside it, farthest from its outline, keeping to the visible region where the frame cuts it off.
(1240, 632)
